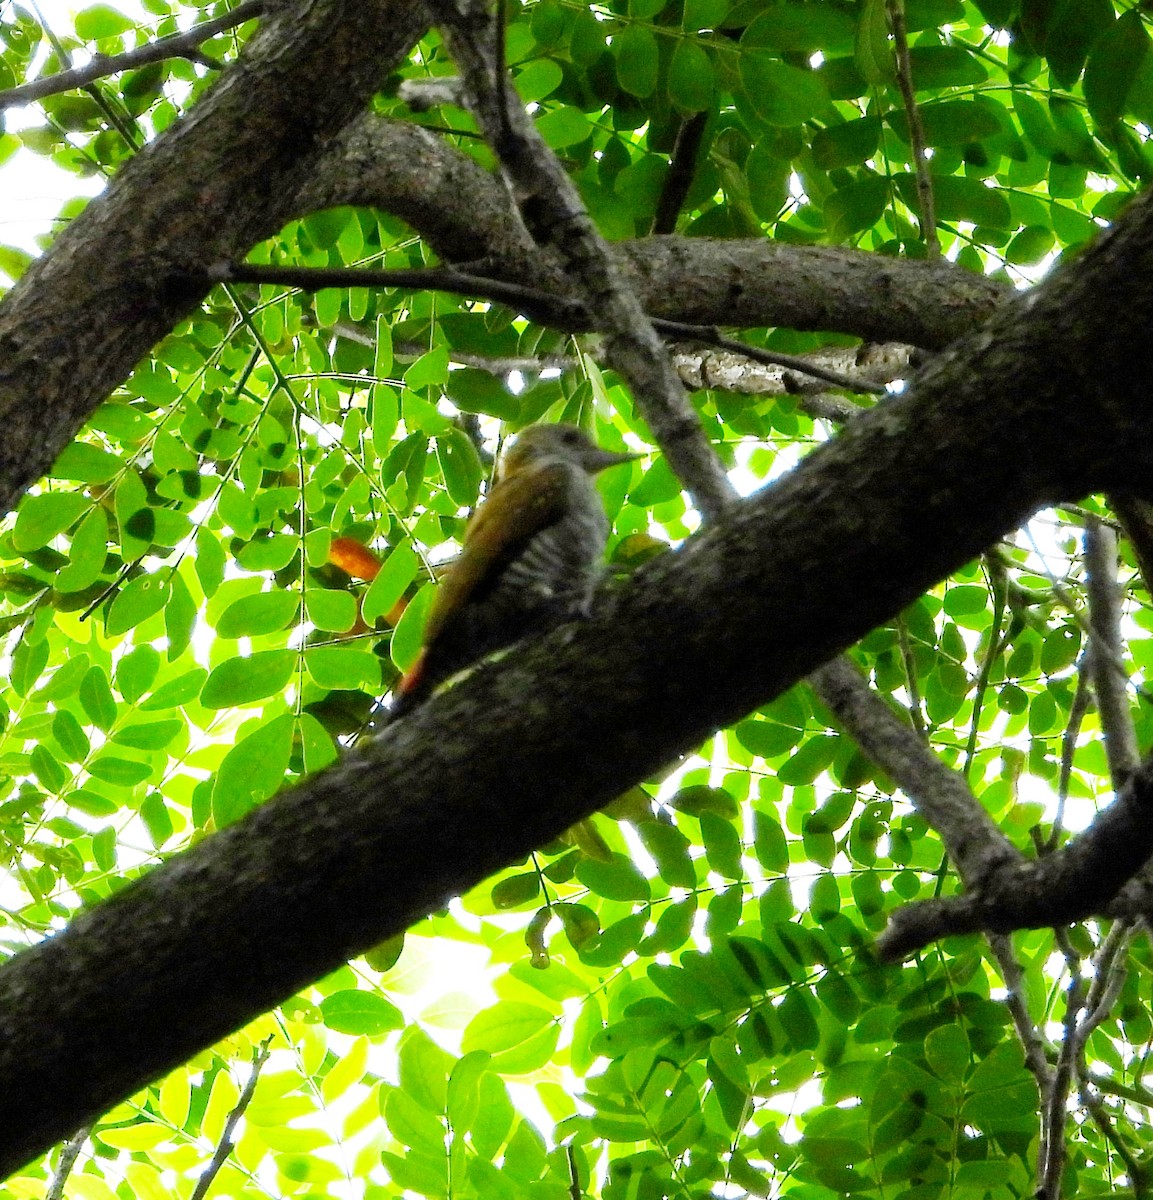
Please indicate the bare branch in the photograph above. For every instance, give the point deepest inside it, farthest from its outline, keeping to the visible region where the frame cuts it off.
(178, 45)
(226, 1145)
(1036, 1060)
(558, 312)
(736, 372)
(682, 168)
(1077, 712)
(1054, 1114)
(1080, 880)
(896, 14)
(68, 1156)
(1109, 683)
(939, 794)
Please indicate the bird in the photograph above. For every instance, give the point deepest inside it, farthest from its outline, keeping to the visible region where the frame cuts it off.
(530, 559)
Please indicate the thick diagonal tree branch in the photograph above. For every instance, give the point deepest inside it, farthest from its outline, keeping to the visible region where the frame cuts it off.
(908, 493)
(116, 280)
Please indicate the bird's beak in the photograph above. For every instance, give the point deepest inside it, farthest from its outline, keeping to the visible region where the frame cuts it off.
(599, 459)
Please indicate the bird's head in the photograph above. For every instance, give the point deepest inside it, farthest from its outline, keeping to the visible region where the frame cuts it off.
(567, 443)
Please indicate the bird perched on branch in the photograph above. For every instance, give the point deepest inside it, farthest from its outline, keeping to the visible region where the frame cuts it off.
(531, 557)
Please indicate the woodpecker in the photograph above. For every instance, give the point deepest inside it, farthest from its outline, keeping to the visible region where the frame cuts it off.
(531, 557)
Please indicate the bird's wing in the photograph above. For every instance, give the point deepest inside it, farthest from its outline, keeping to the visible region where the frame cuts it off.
(519, 507)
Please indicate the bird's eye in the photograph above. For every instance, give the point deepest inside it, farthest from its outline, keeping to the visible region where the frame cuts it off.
(572, 436)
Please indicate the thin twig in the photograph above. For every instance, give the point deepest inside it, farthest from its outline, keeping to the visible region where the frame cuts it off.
(564, 313)
(682, 169)
(896, 13)
(1036, 1059)
(992, 650)
(1054, 1107)
(68, 1156)
(1109, 973)
(1077, 712)
(178, 45)
(225, 1146)
(916, 714)
(1105, 620)
(574, 1189)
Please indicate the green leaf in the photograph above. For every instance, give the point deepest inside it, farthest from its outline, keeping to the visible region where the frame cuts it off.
(520, 1037)
(252, 770)
(96, 698)
(343, 667)
(43, 517)
(460, 466)
(669, 848)
(179, 618)
(124, 772)
(86, 555)
(138, 600)
(950, 123)
(149, 735)
(563, 127)
(176, 692)
(70, 736)
(616, 880)
(801, 28)
(316, 744)
(269, 553)
(406, 637)
(1030, 246)
(355, 1012)
(780, 94)
(157, 819)
(424, 1069)
(538, 79)
(637, 60)
(960, 199)
(411, 1123)
(935, 67)
(330, 610)
(515, 890)
(691, 78)
(871, 53)
(239, 681)
(857, 206)
(209, 562)
(769, 843)
(947, 1051)
(383, 420)
(47, 770)
(1072, 30)
(846, 144)
(136, 521)
(253, 616)
(722, 845)
(85, 463)
(101, 21)
(1114, 63)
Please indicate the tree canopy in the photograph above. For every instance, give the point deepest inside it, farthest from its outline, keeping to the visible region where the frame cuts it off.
(813, 862)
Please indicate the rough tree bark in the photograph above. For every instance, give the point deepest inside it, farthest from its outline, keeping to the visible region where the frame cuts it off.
(1046, 402)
